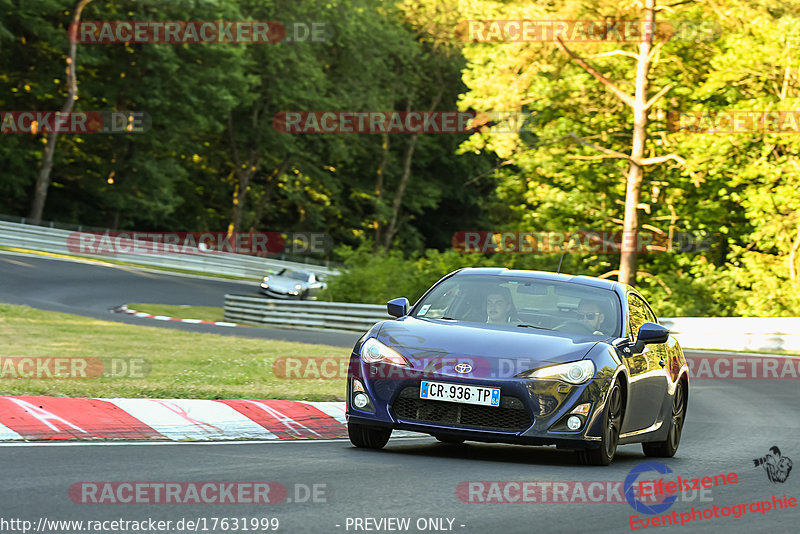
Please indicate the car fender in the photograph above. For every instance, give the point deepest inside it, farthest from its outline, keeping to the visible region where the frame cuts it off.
(609, 367)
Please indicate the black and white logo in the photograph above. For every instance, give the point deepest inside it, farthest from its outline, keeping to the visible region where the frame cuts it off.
(777, 467)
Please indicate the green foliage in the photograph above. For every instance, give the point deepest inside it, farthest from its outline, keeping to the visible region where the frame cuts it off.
(212, 107)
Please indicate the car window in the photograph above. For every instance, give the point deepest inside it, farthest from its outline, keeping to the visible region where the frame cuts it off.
(638, 314)
(513, 300)
(295, 275)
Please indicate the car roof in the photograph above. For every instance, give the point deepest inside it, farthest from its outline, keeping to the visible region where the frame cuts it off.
(591, 281)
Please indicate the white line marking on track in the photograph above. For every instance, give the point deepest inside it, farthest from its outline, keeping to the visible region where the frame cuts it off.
(15, 262)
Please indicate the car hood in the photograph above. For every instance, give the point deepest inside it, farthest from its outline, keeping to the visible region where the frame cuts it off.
(499, 350)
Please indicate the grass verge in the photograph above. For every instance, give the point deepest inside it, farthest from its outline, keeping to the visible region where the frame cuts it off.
(182, 364)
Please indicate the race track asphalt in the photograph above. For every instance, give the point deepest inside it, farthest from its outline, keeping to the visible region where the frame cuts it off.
(729, 423)
(91, 289)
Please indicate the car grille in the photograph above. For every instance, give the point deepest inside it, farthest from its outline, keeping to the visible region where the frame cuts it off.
(511, 415)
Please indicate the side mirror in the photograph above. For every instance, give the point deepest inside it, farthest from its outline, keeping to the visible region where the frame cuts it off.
(397, 307)
(650, 333)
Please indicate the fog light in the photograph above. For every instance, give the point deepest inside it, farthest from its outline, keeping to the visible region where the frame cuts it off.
(360, 400)
(574, 422)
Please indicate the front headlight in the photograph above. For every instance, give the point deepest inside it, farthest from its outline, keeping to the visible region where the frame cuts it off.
(373, 351)
(573, 372)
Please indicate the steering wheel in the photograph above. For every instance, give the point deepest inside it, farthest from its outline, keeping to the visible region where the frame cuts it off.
(573, 325)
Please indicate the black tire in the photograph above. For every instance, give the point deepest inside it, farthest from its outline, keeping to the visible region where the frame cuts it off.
(668, 447)
(612, 422)
(449, 439)
(368, 437)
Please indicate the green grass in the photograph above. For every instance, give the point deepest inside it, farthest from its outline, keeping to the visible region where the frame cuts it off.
(206, 313)
(183, 364)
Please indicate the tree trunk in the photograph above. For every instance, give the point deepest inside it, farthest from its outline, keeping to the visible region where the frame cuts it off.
(43, 181)
(394, 224)
(244, 172)
(640, 106)
(630, 241)
(391, 230)
(379, 190)
(268, 188)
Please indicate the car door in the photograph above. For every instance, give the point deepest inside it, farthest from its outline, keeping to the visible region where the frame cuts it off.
(648, 378)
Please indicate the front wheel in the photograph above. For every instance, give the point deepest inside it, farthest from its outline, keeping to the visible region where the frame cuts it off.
(368, 437)
(612, 422)
(668, 447)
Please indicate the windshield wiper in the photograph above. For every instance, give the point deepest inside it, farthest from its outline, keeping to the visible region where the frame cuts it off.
(533, 326)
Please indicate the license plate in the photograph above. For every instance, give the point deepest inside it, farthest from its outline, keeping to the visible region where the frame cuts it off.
(442, 391)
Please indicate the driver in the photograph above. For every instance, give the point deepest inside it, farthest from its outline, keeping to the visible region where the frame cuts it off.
(500, 306)
(591, 316)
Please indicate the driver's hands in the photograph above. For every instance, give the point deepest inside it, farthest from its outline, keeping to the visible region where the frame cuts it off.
(597, 333)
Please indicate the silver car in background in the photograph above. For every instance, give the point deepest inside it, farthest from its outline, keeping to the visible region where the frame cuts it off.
(292, 284)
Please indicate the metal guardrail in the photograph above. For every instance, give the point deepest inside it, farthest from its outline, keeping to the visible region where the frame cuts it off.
(41, 238)
(309, 315)
(722, 333)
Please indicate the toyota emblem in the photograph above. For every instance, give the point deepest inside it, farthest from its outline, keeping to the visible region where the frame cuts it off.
(463, 368)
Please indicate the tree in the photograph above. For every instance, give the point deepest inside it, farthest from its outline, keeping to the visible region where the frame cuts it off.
(43, 182)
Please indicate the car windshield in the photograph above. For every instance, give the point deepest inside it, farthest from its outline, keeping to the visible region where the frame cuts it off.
(295, 275)
(525, 303)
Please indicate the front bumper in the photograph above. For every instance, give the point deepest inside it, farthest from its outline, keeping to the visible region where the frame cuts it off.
(531, 412)
(292, 295)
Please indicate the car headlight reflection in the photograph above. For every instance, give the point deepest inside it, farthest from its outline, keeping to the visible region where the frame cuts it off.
(373, 351)
(573, 372)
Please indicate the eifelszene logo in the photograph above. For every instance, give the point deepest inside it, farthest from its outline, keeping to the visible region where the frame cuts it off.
(630, 486)
(777, 467)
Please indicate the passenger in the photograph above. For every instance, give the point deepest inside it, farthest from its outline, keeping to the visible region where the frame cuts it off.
(591, 316)
(500, 307)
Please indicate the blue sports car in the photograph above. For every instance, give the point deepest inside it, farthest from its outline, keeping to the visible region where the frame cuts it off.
(526, 357)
